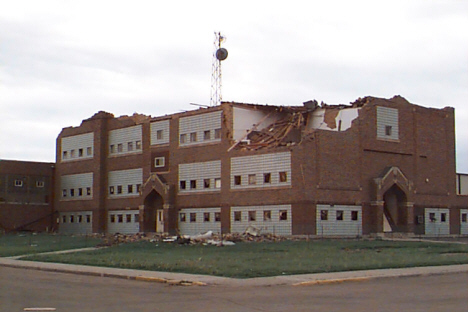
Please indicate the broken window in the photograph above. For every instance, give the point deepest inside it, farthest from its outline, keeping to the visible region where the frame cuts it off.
(217, 133)
(252, 215)
(159, 135)
(112, 149)
(111, 190)
(267, 215)
(64, 155)
(283, 176)
(206, 135)
(120, 148)
(159, 162)
(80, 191)
(130, 189)
(267, 178)
(80, 219)
(72, 192)
(206, 217)
(130, 146)
(120, 218)
(182, 217)
(193, 137)
(252, 179)
(80, 152)
(64, 219)
(237, 215)
(217, 182)
(88, 218)
(388, 130)
(136, 218)
(112, 218)
(443, 217)
(138, 188)
(193, 217)
(283, 215)
(138, 145)
(237, 180)
(88, 191)
(89, 151)
(72, 153)
(193, 184)
(354, 215)
(339, 215)
(463, 218)
(324, 215)
(182, 185)
(19, 183)
(119, 189)
(217, 216)
(128, 218)
(183, 138)
(432, 217)
(206, 183)
(64, 193)
(72, 219)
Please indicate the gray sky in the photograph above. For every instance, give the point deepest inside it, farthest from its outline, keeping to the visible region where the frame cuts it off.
(62, 61)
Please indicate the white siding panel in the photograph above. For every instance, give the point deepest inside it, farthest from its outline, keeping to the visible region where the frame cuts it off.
(124, 178)
(199, 226)
(75, 182)
(436, 226)
(162, 126)
(259, 165)
(271, 225)
(80, 222)
(464, 222)
(387, 116)
(334, 227)
(123, 221)
(462, 184)
(199, 124)
(72, 145)
(199, 172)
(124, 136)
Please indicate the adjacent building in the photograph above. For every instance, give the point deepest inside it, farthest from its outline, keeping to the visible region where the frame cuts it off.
(376, 165)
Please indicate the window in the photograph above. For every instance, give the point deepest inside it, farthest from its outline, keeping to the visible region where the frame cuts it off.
(130, 146)
(19, 183)
(354, 215)
(432, 217)
(39, 183)
(267, 178)
(237, 215)
(138, 188)
(88, 218)
(388, 130)
(120, 148)
(206, 135)
(64, 219)
(443, 217)
(88, 191)
(64, 155)
(206, 183)
(138, 145)
(324, 215)
(72, 153)
(80, 152)
(237, 180)
(252, 215)
(159, 135)
(182, 185)
(463, 218)
(159, 162)
(137, 218)
(252, 179)
(119, 189)
(130, 189)
(267, 215)
(217, 133)
(206, 217)
(120, 218)
(183, 138)
(72, 192)
(112, 218)
(80, 191)
(193, 217)
(72, 219)
(80, 219)
(112, 149)
(339, 215)
(283, 176)
(182, 217)
(283, 215)
(64, 193)
(193, 184)
(193, 137)
(89, 151)
(217, 183)
(128, 218)
(111, 190)
(217, 216)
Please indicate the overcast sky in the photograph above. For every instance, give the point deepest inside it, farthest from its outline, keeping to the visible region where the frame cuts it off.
(63, 61)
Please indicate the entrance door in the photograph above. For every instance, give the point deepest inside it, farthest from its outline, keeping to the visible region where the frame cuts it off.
(160, 221)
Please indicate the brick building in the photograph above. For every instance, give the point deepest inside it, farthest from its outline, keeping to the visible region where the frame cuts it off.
(376, 165)
(26, 196)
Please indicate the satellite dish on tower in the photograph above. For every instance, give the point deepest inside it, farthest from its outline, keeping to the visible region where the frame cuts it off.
(221, 54)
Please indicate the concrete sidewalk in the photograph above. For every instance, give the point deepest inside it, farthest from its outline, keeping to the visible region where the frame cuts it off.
(205, 280)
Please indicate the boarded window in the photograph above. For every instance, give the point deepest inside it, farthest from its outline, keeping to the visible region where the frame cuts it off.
(218, 183)
(324, 215)
(252, 179)
(339, 215)
(237, 215)
(89, 151)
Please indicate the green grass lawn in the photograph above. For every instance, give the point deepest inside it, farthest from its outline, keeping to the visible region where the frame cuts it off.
(245, 260)
(30, 243)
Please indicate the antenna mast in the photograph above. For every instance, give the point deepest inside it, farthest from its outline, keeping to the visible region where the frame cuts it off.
(219, 54)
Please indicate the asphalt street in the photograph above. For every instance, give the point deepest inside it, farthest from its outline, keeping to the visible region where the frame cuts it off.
(26, 289)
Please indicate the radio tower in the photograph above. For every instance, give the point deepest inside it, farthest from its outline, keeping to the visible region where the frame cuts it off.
(219, 54)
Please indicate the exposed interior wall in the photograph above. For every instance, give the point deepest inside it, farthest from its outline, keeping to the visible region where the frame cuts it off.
(246, 119)
(333, 119)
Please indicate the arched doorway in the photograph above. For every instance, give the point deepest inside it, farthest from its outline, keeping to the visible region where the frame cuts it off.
(153, 216)
(395, 209)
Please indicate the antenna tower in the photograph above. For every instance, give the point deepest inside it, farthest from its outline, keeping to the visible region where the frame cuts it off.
(219, 54)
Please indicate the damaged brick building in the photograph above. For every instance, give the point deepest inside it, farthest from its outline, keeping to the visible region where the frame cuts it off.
(376, 165)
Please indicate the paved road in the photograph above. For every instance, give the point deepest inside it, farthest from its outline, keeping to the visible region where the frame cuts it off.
(22, 288)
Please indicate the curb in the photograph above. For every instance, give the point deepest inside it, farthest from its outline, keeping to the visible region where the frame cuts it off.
(335, 281)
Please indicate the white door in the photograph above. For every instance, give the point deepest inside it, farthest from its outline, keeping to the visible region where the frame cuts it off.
(160, 221)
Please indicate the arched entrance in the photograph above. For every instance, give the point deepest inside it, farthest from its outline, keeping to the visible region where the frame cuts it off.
(395, 206)
(153, 216)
